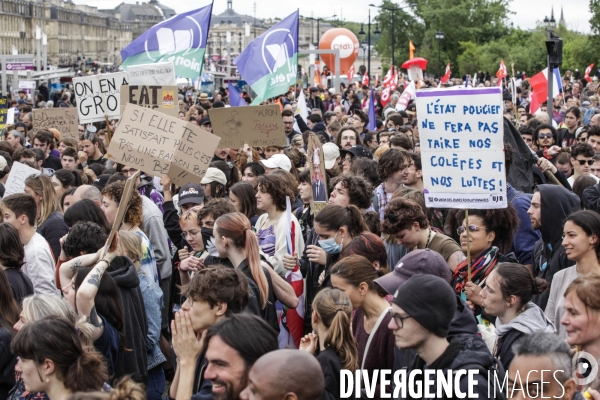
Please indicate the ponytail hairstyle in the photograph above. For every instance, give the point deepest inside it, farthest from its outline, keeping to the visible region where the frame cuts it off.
(125, 389)
(333, 217)
(516, 280)
(335, 311)
(357, 269)
(55, 338)
(236, 226)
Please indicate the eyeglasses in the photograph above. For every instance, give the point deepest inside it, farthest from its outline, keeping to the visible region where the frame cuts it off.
(129, 172)
(398, 319)
(545, 135)
(191, 234)
(582, 162)
(472, 228)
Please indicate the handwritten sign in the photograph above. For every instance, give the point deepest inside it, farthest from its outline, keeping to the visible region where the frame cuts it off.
(152, 74)
(3, 115)
(161, 98)
(15, 183)
(63, 119)
(158, 144)
(462, 147)
(98, 96)
(259, 126)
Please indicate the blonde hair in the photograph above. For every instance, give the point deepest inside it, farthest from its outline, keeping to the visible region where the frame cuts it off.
(382, 149)
(131, 242)
(334, 309)
(41, 185)
(38, 306)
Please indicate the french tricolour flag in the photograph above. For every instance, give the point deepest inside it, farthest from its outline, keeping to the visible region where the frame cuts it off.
(539, 86)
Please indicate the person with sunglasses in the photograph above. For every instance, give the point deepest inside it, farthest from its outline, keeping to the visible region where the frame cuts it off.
(544, 137)
(421, 315)
(490, 237)
(582, 159)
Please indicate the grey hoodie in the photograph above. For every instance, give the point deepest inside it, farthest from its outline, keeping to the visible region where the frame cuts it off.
(529, 321)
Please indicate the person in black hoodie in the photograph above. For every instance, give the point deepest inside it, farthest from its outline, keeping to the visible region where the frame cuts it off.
(550, 206)
(429, 262)
(422, 312)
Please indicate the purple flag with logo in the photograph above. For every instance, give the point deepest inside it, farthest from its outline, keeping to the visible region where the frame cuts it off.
(235, 100)
(372, 125)
(270, 62)
(181, 39)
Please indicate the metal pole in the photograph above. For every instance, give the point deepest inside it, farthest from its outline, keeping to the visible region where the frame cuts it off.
(4, 85)
(38, 51)
(318, 20)
(439, 58)
(336, 80)
(369, 48)
(393, 67)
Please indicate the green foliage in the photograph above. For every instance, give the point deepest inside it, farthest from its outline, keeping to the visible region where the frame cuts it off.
(477, 36)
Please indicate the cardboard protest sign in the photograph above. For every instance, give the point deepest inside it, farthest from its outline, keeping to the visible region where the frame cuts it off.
(161, 98)
(259, 126)
(157, 144)
(123, 205)
(98, 96)
(152, 74)
(318, 177)
(15, 183)
(63, 119)
(462, 147)
(3, 114)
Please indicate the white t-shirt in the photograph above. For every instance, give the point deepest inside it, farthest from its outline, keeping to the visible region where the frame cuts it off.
(39, 265)
(571, 179)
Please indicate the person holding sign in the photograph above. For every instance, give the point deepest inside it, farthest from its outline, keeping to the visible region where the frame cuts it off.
(491, 234)
(90, 152)
(406, 221)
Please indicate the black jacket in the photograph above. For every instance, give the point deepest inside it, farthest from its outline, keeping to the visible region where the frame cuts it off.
(504, 346)
(591, 198)
(269, 313)
(316, 103)
(470, 353)
(52, 229)
(135, 361)
(331, 364)
(171, 221)
(549, 256)
(7, 364)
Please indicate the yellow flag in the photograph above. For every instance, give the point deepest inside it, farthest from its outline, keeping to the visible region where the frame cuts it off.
(411, 49)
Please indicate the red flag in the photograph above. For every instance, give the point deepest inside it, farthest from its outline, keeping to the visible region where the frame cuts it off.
(365, 80)
(351, 74)
(446, 76)
(535, 103)
(387, 78)
(384, 97)
(587, 73)
(501, 74)
(539, 87)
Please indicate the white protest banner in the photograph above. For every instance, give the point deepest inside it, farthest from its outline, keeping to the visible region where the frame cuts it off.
(152, 74)
(99, 96)
(15, 183)
(157, 144)
(462, 147)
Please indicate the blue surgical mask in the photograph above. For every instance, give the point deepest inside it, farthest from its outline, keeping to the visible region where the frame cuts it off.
(330, 246)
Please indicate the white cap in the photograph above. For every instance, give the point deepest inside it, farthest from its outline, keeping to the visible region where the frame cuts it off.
(3, 163)
(330, 153)
(278, 161)
(214, 175)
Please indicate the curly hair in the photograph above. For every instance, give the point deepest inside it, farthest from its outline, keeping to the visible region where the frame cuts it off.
(372, 221)
(278, 187)
(133, 215)
(85, 236)
(392, 161)
(502, 221)
(401, 214)
(366, 168)
(359, 190)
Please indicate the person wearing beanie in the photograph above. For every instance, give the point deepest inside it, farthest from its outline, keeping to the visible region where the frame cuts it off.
(422, 311)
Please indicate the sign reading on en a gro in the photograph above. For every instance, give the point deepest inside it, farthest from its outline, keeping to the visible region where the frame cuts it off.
(462, 147)
(98, 96)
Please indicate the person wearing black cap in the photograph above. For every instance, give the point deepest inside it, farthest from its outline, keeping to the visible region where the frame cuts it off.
(348, 155)
(421, 315)
(205, 124)
(315, 100)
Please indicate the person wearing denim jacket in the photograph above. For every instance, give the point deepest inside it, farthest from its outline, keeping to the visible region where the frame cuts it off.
(153, 303)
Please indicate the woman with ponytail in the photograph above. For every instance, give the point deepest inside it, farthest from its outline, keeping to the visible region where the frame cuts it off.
(125, 389)
(235, 240)
(507, 296)
(355, 276)
(330, 320)
(53, 360)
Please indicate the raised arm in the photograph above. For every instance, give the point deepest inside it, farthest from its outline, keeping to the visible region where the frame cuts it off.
(68, 269)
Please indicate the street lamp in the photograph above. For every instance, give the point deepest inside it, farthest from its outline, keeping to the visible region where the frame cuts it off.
(439, 36)
(393, 33)
(362, 32)
(318, 27)
(554, 49)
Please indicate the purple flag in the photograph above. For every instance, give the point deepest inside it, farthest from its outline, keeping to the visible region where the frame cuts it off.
(372, 125)
(235, 100)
